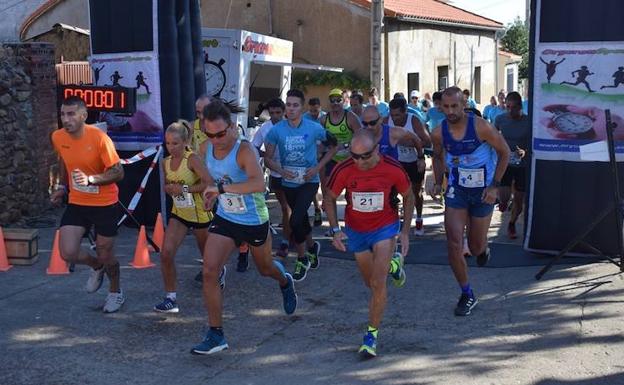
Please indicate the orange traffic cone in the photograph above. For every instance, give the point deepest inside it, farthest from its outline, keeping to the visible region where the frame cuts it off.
(57, 265)
(159, 233)
(4, 261)
(141, 254)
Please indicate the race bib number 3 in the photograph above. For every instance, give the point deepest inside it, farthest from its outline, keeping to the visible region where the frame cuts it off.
(367, 202)
(233, 203)
(471, 178)
(299, 173)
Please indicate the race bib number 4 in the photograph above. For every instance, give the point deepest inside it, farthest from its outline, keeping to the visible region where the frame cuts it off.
(233, 203)
(471, 178)
(299, 173)
(184, 200)
(367, 202)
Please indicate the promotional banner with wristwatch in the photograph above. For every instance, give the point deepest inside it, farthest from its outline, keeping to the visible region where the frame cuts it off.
(577, 72)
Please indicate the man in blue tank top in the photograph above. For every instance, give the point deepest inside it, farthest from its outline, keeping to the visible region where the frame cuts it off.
(241, 216)
(468, 147)
(389, 137)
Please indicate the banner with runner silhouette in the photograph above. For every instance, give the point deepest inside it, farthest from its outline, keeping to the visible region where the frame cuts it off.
(574, 84)
(577, 72)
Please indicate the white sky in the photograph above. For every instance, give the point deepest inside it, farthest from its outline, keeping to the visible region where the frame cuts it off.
(504, 11)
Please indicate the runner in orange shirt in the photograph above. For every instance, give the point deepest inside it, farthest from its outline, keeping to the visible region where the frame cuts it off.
(89, 154)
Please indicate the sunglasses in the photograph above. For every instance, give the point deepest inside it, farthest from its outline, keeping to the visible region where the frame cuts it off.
(370, 123)
(363, 156)
(335, 100)
(219, 134)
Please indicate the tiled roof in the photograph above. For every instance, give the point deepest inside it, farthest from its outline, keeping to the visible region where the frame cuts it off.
(433, 10)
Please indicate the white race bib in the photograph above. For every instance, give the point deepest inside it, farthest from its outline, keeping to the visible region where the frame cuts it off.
(90, 189)
(471, 177)
(184, 200)
(233, 203)
(299, 173)
(367, 202)
(407, 154)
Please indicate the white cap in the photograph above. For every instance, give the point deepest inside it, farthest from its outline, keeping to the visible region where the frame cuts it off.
(414, 93)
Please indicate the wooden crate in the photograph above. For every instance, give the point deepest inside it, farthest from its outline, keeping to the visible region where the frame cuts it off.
(22, 246)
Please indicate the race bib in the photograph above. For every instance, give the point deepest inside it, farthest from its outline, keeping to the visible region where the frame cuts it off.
(407, 154)
(233, 203)
(367, 202)
(184, 200)
(299, 173)
(90, 189)
(471, 177)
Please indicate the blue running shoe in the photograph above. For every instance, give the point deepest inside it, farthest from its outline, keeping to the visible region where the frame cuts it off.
(167, 306)
(369, 346)
(289, 295)
(213, 343)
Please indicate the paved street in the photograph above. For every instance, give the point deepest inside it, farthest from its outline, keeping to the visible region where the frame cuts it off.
(565, 329)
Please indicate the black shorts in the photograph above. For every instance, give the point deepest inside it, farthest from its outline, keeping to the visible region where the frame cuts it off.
(517, 175)
(104, 218)
(253, 235)
(412, 172)
(275, 183)
(189, 224)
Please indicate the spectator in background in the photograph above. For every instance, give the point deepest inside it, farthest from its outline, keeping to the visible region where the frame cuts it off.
(498, 110)
(382, 107)
(435, 116)
(314, 112)
(488, 109)
(357, 103)
(346, 99)
(470, 102)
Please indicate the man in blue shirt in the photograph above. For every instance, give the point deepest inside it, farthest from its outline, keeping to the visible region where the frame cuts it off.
(314, 112)
(498, 110)
(382, 107)
(299, 166)
(435, 116)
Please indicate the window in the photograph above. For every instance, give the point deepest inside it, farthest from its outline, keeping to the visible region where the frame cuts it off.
(442, 77)
(477, 85)
(510, 79)
(413, 82)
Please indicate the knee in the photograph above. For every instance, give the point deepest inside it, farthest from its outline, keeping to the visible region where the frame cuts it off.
(476, 247)
(166, 255)
(69, 253)
(377, 284)
(265, 269)
(210, 273)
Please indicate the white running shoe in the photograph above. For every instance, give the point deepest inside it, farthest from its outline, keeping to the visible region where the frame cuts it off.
(113, 302)
(96, 277)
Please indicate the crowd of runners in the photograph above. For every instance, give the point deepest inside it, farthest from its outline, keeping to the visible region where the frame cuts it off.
(373, 155)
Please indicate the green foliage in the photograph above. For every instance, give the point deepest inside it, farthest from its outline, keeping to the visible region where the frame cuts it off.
(516, 41)
(345, 80)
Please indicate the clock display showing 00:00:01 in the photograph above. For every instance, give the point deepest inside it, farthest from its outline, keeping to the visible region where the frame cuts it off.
(111, 99)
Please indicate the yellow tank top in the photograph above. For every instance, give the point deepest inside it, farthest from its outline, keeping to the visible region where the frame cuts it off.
(198, 137)
(343, 134)
(189, 207)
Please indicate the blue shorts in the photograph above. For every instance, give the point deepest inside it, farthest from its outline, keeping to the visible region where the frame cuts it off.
(468, 199)
(364, 241)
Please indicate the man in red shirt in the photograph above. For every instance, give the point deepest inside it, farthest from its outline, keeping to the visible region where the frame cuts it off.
(90, 167)
(372, 222)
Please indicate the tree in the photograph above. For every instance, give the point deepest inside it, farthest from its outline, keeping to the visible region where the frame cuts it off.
(516, 41)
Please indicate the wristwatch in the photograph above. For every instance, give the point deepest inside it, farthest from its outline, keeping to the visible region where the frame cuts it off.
(336, 229)
(220, 188)
(90, 180)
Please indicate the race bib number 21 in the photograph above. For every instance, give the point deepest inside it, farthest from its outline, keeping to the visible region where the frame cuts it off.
(367, 202)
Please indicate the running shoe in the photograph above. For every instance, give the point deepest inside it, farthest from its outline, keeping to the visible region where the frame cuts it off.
(222, 277)
(167, 306)
(511, 231)
(398, 276)
(113, 302)
(369, 346)
(465, 305)
(301, 269)
(96, 277)
(419, 230)
(289, 295)
(199, 279)
(313, 255)
(483, 258)
(243, 262)
(318, 219)
(213, 343)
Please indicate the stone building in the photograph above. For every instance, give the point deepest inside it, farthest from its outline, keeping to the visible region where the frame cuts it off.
(70, 43)
(427, 44)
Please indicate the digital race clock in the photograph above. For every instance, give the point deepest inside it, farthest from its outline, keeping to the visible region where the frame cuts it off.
(119, 100)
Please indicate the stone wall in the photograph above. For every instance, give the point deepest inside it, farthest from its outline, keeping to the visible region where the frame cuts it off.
(27, 117)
